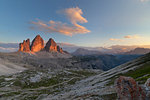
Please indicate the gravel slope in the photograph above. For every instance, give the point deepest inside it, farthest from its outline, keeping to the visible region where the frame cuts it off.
(9, 68)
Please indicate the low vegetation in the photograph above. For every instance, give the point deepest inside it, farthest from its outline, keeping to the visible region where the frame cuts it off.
(49, 83)
(140, 74)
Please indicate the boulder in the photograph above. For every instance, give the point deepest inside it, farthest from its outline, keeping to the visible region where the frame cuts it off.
(147, 88)
(128, 89)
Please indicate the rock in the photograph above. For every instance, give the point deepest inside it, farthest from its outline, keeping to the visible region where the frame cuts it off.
(25, 46)
(36, 78)
(59, 49)
(37, 44)
(128, 89)
(51, 45)
(147, 88)
(147, 84)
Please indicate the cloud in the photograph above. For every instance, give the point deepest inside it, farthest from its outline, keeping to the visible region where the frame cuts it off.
(144, 0)
(73, 14)
(65, 44)
(8, 47)
(126, 37)
(112, 39)
(132, 37)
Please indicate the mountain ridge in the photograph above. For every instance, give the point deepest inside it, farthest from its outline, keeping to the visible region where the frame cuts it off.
(138, 51)
(38, 45)
(83, 52)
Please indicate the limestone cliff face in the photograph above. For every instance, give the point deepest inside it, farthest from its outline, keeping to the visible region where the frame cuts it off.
(37, 44)
(59, 49)
(51, 45)
(25, 46)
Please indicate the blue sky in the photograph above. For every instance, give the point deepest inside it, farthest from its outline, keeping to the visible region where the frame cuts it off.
(99, 22)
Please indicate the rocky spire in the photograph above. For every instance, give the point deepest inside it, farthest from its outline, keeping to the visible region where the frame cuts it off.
(25, 46)
(37, 44)
(51, 45)
(59, 49)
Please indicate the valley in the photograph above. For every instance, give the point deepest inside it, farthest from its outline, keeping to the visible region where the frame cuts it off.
(74, 50)
(46, 73)
(59, 78)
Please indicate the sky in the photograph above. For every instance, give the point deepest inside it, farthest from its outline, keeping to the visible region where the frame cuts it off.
(91, 23)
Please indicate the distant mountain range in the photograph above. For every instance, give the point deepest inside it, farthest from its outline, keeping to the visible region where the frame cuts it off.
(90, 59)
(136, 51)
(115, 49)
(84, 52)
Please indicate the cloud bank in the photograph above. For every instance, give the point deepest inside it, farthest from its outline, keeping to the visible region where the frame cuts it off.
(8, 47)
(113, 39)
(144, 0)
(73, 14)
(132, 37)
(125, 37)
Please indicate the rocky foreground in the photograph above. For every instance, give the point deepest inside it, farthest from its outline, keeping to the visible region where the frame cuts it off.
(47, 78)
(128, 89)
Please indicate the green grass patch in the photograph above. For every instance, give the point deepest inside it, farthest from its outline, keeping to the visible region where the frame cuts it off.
(10, 94)
(83, 72)
(73, 81)
(138, 74)
(42, 83)
(112, 96)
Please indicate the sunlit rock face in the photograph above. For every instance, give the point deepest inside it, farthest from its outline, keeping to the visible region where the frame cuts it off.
(128, 89)
(25, 46)
(37, 44)
(51, 45)
(59, 49)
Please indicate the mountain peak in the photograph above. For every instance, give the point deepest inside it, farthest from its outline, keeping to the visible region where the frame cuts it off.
(25, 46)
(139, 51)
(51, 45)
(82, 51)
(38, 45)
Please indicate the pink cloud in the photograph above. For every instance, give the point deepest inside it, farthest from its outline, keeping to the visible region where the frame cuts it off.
(112, 39)
(73, 14)
(132, 37)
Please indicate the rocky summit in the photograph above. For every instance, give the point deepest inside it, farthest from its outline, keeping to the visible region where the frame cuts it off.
(52, 46)
(25, 46)
(59, 49)
(38, 45)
